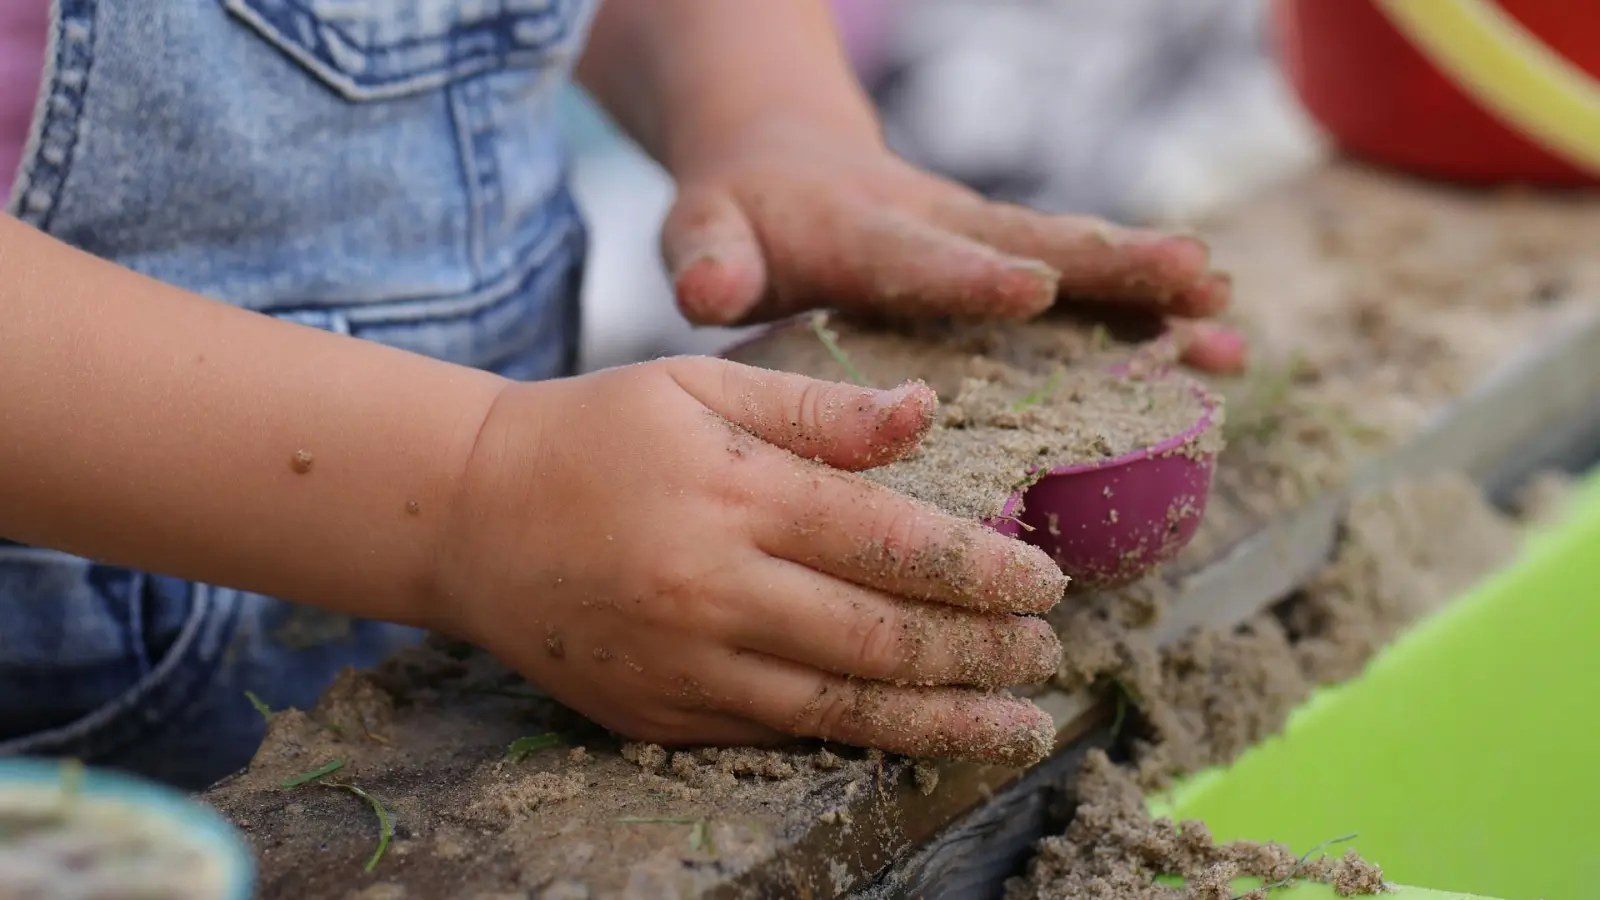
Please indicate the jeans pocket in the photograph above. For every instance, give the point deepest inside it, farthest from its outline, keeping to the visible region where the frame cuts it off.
(92, 656)
(381, 49)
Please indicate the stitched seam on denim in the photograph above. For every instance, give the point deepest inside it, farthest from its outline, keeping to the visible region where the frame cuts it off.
(556, 10)
(398, 79)
(30, 147)
(561, 317)
(113, 725)
(469, 180)
(563, 220)
(135, 716)
(70, 62)
(136, 623)
(490, 191)
(574, 337)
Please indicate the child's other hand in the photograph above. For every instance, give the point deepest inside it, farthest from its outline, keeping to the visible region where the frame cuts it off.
(655, 546)
(788, 218)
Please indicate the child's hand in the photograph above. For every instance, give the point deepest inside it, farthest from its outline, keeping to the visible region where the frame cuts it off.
(633, 542)
(785, 218)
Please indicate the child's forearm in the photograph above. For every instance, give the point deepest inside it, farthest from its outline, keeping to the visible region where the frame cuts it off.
(684, 77)
(146, 426)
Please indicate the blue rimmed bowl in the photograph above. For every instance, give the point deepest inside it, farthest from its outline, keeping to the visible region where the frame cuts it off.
(185, 822)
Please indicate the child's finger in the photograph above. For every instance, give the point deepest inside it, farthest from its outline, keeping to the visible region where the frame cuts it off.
(842, 425)
(946, 723)
(713, 256)
(1098, 260)
(869, 258)
(1210, 347)
(806, 617)
(866, 534)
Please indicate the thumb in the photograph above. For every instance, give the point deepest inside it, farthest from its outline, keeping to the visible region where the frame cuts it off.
(845, 426)
(713, 257)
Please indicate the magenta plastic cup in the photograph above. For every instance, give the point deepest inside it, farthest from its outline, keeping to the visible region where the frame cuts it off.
(1109, 522)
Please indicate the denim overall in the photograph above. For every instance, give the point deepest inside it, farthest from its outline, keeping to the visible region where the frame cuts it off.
(387, 169)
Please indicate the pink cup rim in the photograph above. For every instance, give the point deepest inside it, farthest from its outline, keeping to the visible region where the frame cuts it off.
(1208, 402)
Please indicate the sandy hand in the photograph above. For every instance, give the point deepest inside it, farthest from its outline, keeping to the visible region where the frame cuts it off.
(788, 220)
(661, 547)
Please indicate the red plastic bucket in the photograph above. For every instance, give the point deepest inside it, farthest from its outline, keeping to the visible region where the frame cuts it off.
(1445, 88)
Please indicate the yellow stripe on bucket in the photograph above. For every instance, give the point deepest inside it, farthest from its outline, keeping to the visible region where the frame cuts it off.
(1510, 71)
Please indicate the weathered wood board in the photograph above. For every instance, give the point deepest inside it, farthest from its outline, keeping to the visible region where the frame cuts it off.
(1465, 324)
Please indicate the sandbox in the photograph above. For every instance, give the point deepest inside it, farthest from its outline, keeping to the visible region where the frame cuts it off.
(1402, 329)
(1459, 761)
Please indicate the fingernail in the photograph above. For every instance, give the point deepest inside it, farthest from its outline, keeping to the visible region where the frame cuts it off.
(1037, 584)
(1027, 286)
(1041, 271)
(1190, 252)
(695, 259)
(897, 397)
(1214, 347)
(1047, 658)
(1104, 234)
(1031, 741)
(706, 293)
(1039, 275)
(1215, 332)
(906, 411)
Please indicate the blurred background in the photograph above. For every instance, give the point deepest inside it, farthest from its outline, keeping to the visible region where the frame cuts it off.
(1141, 111)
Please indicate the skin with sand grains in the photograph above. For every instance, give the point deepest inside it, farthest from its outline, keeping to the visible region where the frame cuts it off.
(792, 597)
(796, 219)
(779, 593)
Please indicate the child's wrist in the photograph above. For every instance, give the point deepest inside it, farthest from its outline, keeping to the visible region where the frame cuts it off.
(425, 596)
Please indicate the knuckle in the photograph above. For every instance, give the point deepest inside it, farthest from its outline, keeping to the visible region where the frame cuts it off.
(832, 711)
(937, 719)
(736, 481)
(809, 407)
(677, 595)
(879, 646)
(1048, 660)
(896, 533)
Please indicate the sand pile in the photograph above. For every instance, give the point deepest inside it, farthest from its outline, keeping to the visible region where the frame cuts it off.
(1211, 696)
(1014, 397)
